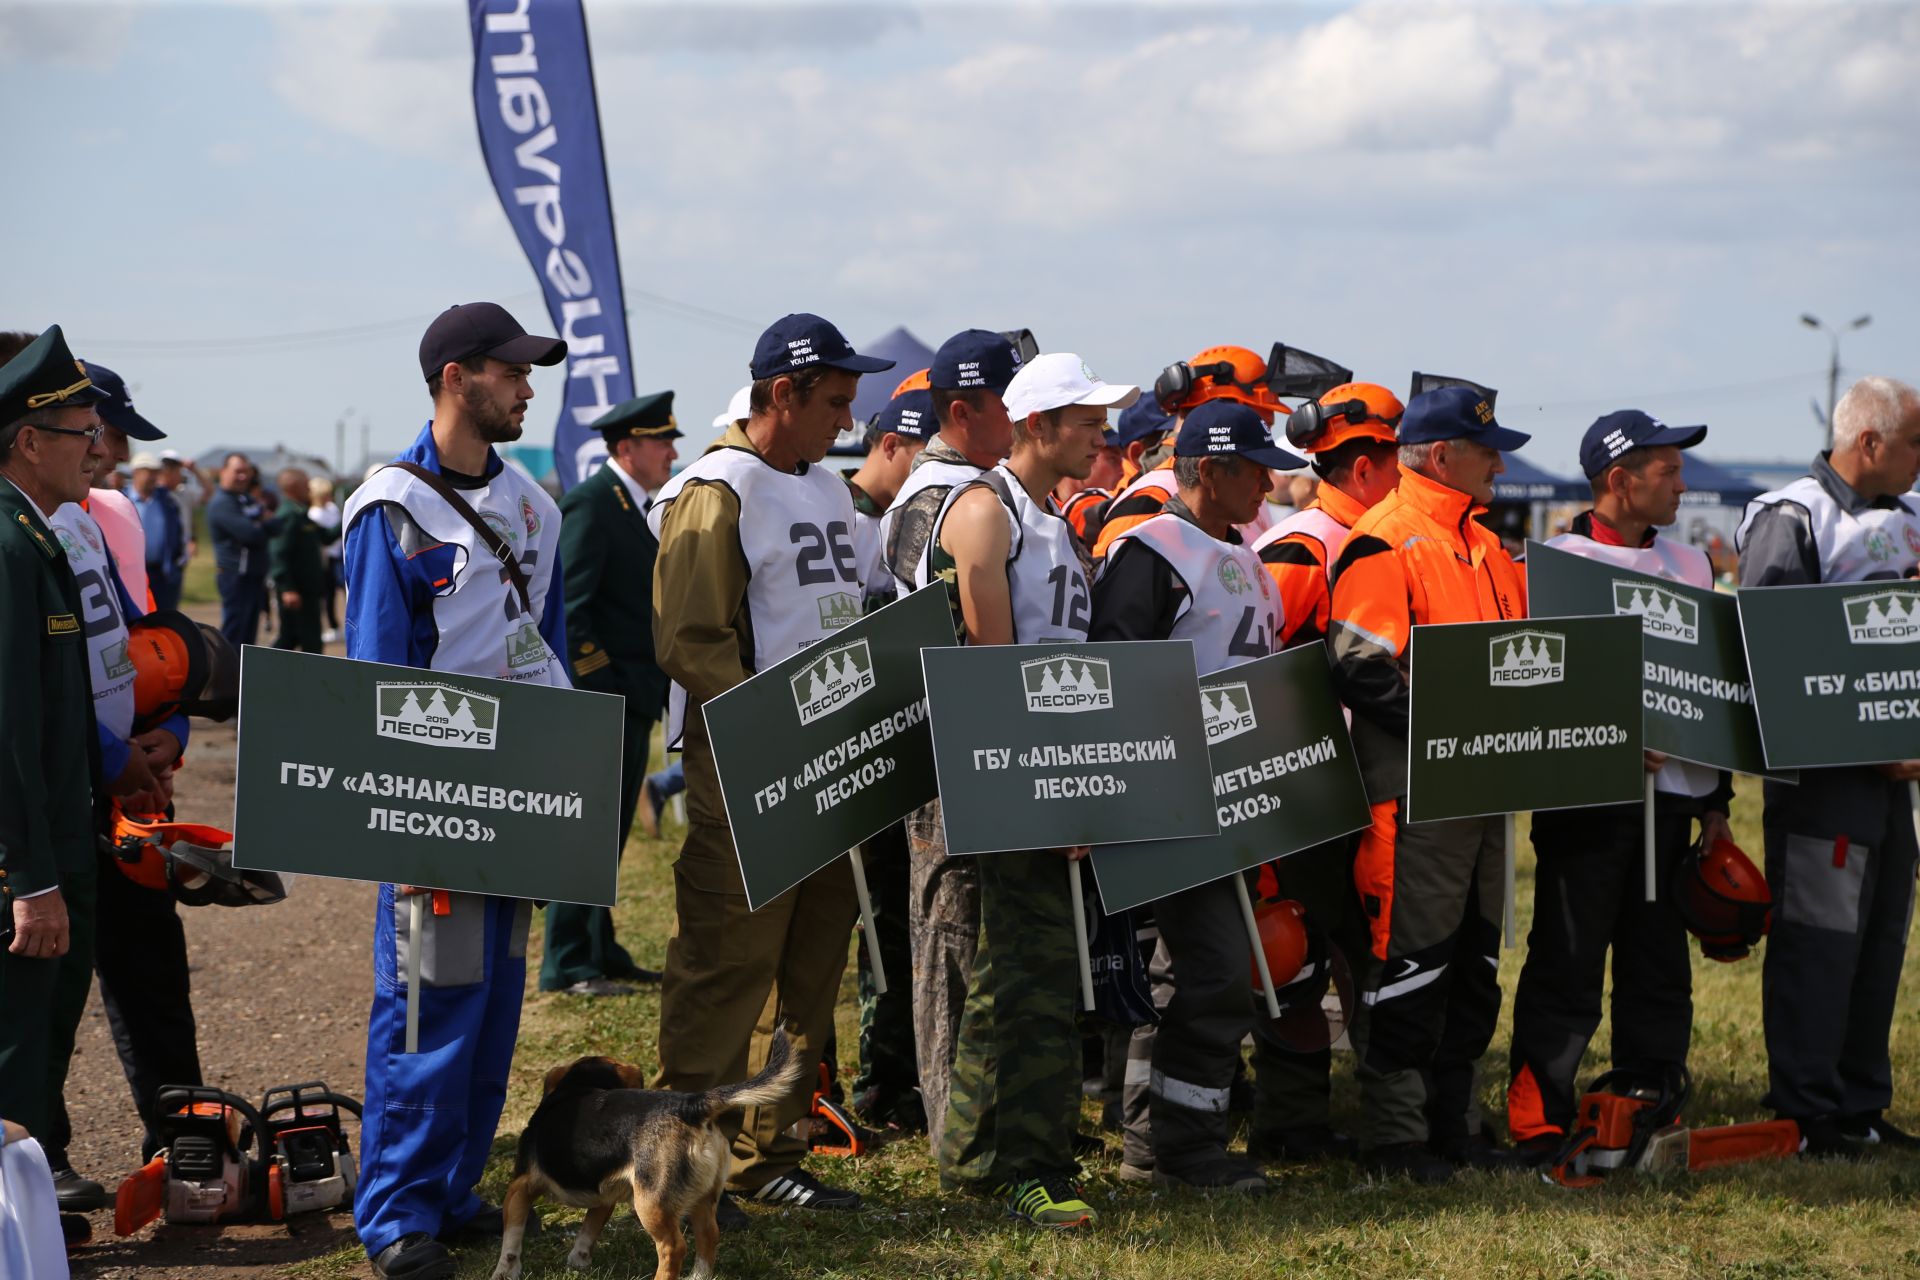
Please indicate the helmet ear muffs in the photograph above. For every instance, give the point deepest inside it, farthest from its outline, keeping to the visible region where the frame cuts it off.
(1173, 384)
(1306, 424)
(181, 665)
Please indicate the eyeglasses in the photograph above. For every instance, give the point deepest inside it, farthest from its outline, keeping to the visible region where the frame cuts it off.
(92, 433)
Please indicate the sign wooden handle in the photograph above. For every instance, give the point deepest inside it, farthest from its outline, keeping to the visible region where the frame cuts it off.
(1513, 853)
(866, 921)
(1259, 952)
(1913, 794)
(1646, 819)
(416, 925)
(1078, 905)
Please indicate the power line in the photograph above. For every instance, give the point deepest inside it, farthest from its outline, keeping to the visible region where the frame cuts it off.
(261, 342)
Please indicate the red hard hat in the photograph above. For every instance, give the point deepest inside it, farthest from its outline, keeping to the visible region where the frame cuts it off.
(1723, 899)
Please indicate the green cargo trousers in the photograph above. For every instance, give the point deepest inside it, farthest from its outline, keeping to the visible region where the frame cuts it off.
(1015, 1094)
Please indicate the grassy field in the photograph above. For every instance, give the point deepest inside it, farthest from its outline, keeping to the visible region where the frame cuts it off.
(1786, 1219)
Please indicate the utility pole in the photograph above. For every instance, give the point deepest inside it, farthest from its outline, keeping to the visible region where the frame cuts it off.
(1833, 363)
(340, 441)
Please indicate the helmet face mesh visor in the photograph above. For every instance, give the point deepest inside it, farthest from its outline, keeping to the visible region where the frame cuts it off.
(1303, 375)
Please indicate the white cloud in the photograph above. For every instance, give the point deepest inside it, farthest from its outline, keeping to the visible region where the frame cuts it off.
(392, 78)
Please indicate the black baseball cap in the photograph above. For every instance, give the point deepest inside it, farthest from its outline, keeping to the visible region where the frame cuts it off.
(483, 329)
(1626, 429)
(800, 339)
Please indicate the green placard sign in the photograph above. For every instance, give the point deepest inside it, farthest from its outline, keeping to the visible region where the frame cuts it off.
(365, 771)
(1698, 700)
(821, 750)
(1836, 671)
(1535, 714)
(1044, 745)
(1284, 779)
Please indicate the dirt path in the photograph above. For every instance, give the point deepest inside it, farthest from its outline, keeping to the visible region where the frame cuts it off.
(280, 994)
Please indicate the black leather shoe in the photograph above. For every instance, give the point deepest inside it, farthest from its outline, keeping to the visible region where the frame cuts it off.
(1822, 1138)
(1875, 1130)
(1306, 1144)
(1407, 1160)
(75, 1194)
(417, 1256)
(729, 1215)
(634, 973)
(1480, 1151)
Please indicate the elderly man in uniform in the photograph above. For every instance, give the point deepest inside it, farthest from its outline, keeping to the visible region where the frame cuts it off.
(426, 589)
(1430, 893)
(609, 553)
(756, 561)
(50, 445)
(1840, 846)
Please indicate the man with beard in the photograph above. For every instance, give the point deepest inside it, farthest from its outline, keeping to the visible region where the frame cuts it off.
(425, 589)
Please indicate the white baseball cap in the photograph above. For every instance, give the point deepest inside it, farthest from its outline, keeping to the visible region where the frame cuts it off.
(1058, 379)
(143, 462)
(739, 409)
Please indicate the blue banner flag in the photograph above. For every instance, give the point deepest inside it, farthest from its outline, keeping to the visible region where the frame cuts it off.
(539, 124)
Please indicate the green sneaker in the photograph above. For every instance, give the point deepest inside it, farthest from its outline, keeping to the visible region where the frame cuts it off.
(1048, 1202)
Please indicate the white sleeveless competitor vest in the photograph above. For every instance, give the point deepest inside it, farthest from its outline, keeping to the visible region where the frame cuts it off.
(1232, 609)
(1315, 523)
(482, 629)
(796, 536)
(1880, 542)
(108, 664)
(909, 565)
(1676, 562)
(1160, 480)
(1046, 578)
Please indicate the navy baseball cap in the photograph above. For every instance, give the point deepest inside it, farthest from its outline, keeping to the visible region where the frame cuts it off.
(909, 414)
(800, 339)
(1457, 413)
(1142, 418)
(974, 358)
(117, 409)
(1215, 427)
(1613, 435)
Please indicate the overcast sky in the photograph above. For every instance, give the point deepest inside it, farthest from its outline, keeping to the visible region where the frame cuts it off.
(1589, 206)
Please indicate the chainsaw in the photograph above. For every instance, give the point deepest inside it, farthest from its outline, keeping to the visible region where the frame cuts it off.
(1632, 1120)
(225, 1160)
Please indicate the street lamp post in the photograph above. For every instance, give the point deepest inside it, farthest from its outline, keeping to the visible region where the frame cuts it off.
(1833, 363)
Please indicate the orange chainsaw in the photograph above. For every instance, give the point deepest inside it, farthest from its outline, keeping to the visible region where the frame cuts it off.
(1632, 1120)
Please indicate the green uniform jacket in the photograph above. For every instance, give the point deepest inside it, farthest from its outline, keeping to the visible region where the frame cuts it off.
(49, 750)
(606, 557)
(297, 562)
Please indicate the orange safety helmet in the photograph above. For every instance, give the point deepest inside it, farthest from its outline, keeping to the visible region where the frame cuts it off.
(190, 860)
(1218, 373)
(1283, 936)
(1311, 979)
(180, 665)
(1351, 411)
(1723, 900)
(915, 381)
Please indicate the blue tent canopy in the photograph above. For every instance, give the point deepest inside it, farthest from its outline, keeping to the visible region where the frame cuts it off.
(1709, 485)
(907, 352)
(1524, 482)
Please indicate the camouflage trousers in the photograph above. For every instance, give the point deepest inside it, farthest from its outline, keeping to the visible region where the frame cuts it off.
(887, 1067)
(1015, 1093)
(943, 924)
